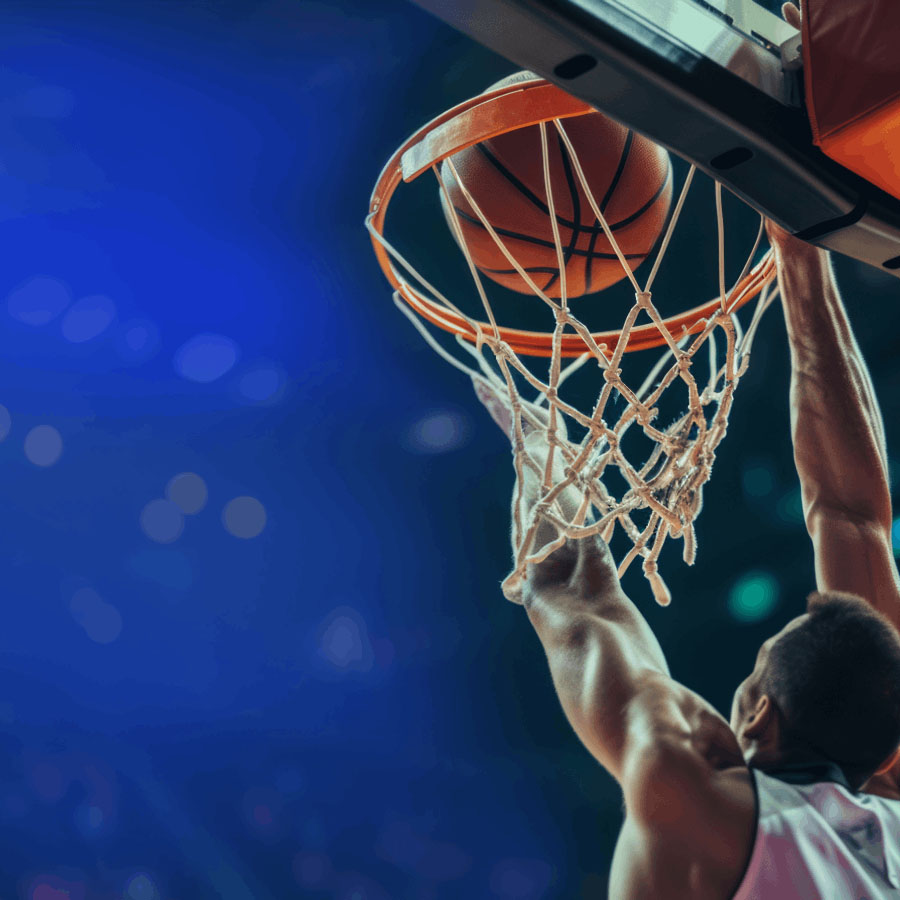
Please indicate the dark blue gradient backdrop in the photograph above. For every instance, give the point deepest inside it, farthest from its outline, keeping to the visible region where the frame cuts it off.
(252, 529)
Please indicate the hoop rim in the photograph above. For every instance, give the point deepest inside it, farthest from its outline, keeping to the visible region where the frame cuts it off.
(496, 112)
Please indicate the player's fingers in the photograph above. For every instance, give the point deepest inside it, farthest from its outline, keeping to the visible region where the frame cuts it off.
(494, 404)
(791, 15)
(498, 406)
(556, 570)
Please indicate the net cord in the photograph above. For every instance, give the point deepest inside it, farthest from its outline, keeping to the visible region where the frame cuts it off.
(669, 483)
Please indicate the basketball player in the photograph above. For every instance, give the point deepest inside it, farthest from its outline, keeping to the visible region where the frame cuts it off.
(799, 795)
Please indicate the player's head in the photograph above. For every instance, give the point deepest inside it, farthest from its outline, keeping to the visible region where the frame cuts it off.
(828, 684)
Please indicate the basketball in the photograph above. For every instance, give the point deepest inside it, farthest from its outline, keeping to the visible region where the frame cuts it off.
(629, 177)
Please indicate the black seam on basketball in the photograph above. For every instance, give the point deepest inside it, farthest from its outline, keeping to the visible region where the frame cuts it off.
(592, 243)
(580, 228)
(588, 259)
(576, 210)
(529, 239)
(639, 212)
(577, 227)
(617, 177)
(531, 270)
(513, 180)
(548, 269)
(523, 188)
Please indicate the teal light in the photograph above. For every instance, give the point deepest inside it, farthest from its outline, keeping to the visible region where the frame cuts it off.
(895, 536)
(758, 480)
(753, 596)
(790, 507)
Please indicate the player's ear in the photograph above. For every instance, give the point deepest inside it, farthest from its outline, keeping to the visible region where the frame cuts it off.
(791, 14)
(759, 719)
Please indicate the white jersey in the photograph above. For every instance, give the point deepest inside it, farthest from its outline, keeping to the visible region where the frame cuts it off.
(819, 840)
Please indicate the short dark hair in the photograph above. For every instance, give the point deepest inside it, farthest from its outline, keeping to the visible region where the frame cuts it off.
(836, 679)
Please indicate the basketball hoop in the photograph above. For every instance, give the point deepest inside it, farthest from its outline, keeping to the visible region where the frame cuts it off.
(668, 484)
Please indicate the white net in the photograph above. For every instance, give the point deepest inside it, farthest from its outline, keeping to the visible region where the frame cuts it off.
(661, 493)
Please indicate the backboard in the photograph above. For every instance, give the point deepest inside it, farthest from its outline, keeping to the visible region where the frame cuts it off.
(718, 82)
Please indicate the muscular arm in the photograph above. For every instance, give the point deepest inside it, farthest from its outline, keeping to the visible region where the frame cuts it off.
(656, 737)
(838, 434)
(608, 669)
(601, 651)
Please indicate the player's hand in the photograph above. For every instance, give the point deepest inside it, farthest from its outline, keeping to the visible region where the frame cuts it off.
(580, 573)
(498, 405)
(791, 15)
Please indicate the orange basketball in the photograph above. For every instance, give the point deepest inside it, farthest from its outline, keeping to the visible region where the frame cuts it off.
(629, 177)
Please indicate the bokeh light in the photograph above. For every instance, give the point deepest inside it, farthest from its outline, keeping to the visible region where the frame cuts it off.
(89, 820)
(100, 620)
(206, 357)
(188, 492)
(758, 479)
(344, 641)
(162, 521)
(753, 596)
(789, 507)
(521, 879)
(88, 318)
(38, 301)
(262, 384)
(52, 887)
(43, 445)
(244, 517)
(137, 340)
(438, 432)
(262, 808)
(141, 887)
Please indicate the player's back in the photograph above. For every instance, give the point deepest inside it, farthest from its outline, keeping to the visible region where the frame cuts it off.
(822, 840)
(816, 839)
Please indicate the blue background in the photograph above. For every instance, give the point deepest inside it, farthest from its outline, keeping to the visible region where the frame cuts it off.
(252, 529)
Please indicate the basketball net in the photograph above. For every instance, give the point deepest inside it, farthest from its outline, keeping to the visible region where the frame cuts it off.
(664, 491)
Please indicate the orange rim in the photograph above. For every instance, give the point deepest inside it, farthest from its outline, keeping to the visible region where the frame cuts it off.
(479, 119)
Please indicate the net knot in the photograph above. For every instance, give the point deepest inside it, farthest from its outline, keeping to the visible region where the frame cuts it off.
(645, 414)
(655, 496)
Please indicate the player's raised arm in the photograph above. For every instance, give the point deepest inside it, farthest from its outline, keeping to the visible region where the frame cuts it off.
(601, 651)
(656, 737)
(838, 434)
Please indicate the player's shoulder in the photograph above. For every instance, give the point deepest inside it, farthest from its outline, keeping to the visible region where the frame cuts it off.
(705, 859)
(693, 786)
